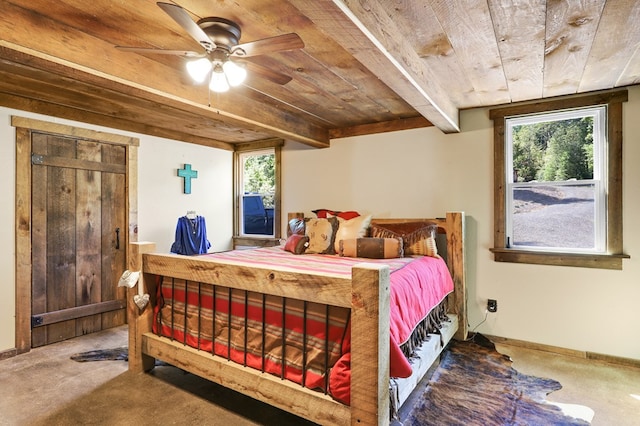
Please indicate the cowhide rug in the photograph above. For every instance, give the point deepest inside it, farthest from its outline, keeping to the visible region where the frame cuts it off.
(115, 354)
(476, 385)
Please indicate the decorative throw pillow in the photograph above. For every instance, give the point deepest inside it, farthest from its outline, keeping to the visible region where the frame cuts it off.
(296, 244)
(372, 248)
(421, 241)
(322, 234)
(296, 227)
(345, 215)
(352, 228)
(326, 213)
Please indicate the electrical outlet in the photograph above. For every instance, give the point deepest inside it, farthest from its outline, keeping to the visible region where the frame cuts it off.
(492, 305)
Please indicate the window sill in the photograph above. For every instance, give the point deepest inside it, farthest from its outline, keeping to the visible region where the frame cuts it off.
(582, 260)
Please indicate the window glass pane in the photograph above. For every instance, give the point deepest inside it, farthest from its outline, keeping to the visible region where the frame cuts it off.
(553, 151)
(554, 216)
(258, 192)
(555, 194)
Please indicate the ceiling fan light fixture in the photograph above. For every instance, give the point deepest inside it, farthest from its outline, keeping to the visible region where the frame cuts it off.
(218, 82)
(235, 73)
(199, 69)
(220, 39)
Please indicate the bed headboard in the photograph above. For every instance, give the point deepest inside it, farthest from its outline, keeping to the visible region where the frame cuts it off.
(450, 242)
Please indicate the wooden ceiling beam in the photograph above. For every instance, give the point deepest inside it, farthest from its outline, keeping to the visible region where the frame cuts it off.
(382, 127)
(366, 30)
(60, 111)
(100, 63)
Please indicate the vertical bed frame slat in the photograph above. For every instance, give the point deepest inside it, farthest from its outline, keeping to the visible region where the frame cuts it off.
(326, 349)
(304, 344)
(229, 307)
(213, 320)
(246, 328)
(283, 359)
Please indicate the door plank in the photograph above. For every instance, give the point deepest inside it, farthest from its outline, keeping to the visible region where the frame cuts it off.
(61, 247)
(113, 216)
(39, 238)
(88, 217)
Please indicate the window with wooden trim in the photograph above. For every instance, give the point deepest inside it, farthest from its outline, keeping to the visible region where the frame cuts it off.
(558, 182)
(257, 193)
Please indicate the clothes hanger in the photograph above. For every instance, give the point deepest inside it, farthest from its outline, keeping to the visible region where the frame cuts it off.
(191, 214)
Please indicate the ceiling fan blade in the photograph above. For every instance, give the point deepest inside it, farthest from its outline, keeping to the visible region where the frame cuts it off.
(182, 17)
(185, 53)
(279, 43)
(266, 73)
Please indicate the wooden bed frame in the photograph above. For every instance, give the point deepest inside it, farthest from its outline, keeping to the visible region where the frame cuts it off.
(366, 294)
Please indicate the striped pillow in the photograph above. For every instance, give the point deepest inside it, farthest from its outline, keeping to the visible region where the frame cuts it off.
(422, 241)
(372, 248)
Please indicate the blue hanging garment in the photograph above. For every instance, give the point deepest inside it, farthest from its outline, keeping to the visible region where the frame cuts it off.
(191, 236)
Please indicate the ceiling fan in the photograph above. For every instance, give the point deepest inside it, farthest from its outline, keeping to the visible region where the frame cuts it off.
(222, 61)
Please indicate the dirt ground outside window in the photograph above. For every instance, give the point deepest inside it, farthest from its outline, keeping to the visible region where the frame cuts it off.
(554, 216)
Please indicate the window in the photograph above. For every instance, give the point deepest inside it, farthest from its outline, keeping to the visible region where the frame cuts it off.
(558, 174)
(556, 194)
(257, 193)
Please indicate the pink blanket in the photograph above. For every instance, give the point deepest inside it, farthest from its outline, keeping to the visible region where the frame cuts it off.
(415, 292)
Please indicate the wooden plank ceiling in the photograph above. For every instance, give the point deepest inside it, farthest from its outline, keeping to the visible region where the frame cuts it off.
(368, 66)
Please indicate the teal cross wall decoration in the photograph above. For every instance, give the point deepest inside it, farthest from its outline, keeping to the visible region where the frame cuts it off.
(187, 174)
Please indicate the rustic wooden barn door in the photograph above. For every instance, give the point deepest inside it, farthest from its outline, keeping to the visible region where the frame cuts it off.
(79, 224)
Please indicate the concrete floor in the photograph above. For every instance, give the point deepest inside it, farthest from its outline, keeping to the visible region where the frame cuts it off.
(46, 387)
(611, 391)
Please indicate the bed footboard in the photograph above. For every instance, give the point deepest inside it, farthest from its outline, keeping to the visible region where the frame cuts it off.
(367, 293)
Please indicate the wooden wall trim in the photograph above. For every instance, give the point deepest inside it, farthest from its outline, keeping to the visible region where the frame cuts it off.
(561, 102)
(8, 354)
(564, 351)
(257, 145)
(65, 130)
(23, 240)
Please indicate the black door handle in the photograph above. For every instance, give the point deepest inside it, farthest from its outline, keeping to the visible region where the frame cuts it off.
(117, 238)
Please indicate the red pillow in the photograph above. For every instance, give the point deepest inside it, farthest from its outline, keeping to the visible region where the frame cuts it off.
(296, 244)
(340, 379)
(348, 215)
(325, 213)
(322, 213)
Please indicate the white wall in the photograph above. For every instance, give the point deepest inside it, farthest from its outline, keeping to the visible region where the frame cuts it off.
(160, 199)
(424, 173)
(160, 192)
